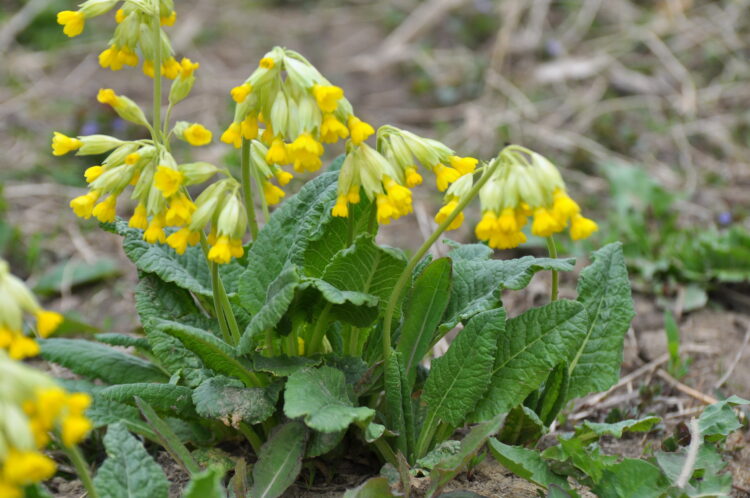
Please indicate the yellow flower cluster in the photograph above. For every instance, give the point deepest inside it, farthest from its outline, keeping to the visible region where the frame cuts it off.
(15, 300)
(133, 34)
(33, 408)
(527, 185)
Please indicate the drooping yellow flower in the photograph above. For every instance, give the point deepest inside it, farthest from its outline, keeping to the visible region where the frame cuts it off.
(75, 429)
(168, 20)
(62, 144)
(331, 129)
(83, 205)
(221, 252)
(47, 322)
(446, 211)
(109, 97)
(182, 238)
(272, 193)
(464, 165)
(180, 211)
(22, 347)
(26, 467)
(305, 153)
(249, 127)
(148, 68)
(283, 177)
(92, 173)
(170, 68)
(140, 218)
(444, 176)
(277, 153)
(341, 208)
(359, 130)
(544, 223)
(119, 16)
(110, 58)
(155, 231)
(386, 211)
(581, 227)
(327, 96)
(412, 177)
(168, 180)
(105, 210)
(72, 22)
(197, 135)
(266, 63)
(240, 93)
(187, 68)
(563, 207)
(233, 135)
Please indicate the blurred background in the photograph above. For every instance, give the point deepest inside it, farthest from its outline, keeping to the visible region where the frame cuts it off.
(643, 104)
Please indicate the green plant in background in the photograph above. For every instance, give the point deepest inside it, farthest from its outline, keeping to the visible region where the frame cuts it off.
(676, 367)
(309, 339)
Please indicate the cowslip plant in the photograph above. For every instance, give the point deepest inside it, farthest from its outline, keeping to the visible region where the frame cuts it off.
(304, 336)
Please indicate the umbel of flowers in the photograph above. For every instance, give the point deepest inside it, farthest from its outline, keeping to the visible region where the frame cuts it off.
(34, 410)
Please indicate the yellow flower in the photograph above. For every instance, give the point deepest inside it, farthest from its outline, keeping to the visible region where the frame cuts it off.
(327, 97)
(249, 127)
(507, 240)
(92, 173)
(305, 151)
(331, 129)
(386, 210)
(105, 210)
(412, 177)
(168, 180)
(180, 211)
(78, 403)
(359, 129)
(170, 68)
(140, 218)
(127, 56)
(464, 165)
(486, 226)
(221, 252)
(148, 68)
(233, 135)
(27, 467)
(341, 209)
(47, 322)
(446, 211)
(83, 205)
(119, 16)
(544, 223)
(23, 347)
(62, 144)
(155, 231)
(133, 158)
(109, 97)
(235, 247)
(398, 195)
(72, 21)
(197, 135)
(74, 430)
(277, 153)
(444, 176)
(563, 207)
(272, 193)
(240, 93)
(168, 20)
(187, 67)
(582, 228)
(110, 58)
(9, 490)
(283, 177)
(180, 240)
(353, 195)
(267, 63)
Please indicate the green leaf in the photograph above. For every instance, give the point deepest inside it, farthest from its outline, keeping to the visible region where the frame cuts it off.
(617, 429)
(215, 353)
(423, 313)
(353, 307)
(69, 274)
(321, 443)
(97, 361)
(707, 462)
(206, 484)
(157, 300)
(604, 290)
(165, 398)
(522, 426)
(439, 453)
(174, 357)
(374, 487)
(123, 340)
(321, 396)
(399, 411)
(477, 284)
(525, 463)
(631, 477)
(188, 271)
(229, 401)
(459, 379)
(553, 394)
(531, 345)
(279, 461)
(129, 471)
(480, 252)
(719, 420)
(283, 365)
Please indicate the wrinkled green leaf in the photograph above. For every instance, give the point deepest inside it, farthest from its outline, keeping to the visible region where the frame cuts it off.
(618, 428)
(123, 340)
(604, 290)
(97, 361)
(157, 300)
(719, 419)
(440, 452)
(527, 350)
(399, 412)
(353, 307)
(631, 477)
(206, 484)
(707, 462)
(321, 396)
(69, 274)
(525, 463)
(279, 461)
(284, 366)
(129, 471)
(277, 300)
(165, 398)
(522, 426)
(229, 401)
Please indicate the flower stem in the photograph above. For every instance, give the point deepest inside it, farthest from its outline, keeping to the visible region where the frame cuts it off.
(82, 469)
(156, 31)
(263, 202)
(552, 248)
(251, 436)
(406, 274)
(247, 189)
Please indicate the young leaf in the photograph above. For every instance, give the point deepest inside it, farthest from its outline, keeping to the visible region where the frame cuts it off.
(423, 313)
(477, 284)
(459, 379)
(229, 401)
(97, 361)
(522, 426)
(604, 290)
(631, 477)
(719, 420)
(353, 307)
(399, 412)
(527, 350)
(71, 273)
(375, 487)
(321, 443)
(525, 463)
(553, 394)
(129, 471)
(601, 429)
(165, 398)
(320, 395)
(123, 340)
(206, 484)
(279, 461)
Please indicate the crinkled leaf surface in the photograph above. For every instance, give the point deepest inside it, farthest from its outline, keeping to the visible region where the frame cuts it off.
(123, 340)
(525, 463)
(527, 351)
(321, 396)
(631, 477)
(279, 461)
(129, 471)
(719, 419)
(618, 428)
(459, 379)
(164, 398)
(97, 361)
(231, 402)
(604, 289)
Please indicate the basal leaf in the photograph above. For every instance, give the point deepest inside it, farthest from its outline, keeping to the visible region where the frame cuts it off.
(206, 484)
(158, 300)
(123, 340)
(356, 308)
(631, 477)
(284, 366)
(279, 461)
(164, 398)
(375, 487)
(321, 396)
(423, 313)
(71, 273)
(604, 290)
(174, 357)
(525, 463)
(527, 351)
(129, 471)
(459, 379)
(97, 361)
(231, 402)
(399, 411)
(719, 419)
(522, 426)
(618, 428)
(478, 284)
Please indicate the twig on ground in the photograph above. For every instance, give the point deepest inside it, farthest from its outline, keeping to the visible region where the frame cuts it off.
(703, 398)
(692, 454)
(736, 359)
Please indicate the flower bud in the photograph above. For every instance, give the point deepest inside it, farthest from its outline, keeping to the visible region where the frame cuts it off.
(197, 172)
(93, 8)
(97, 144)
